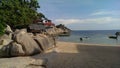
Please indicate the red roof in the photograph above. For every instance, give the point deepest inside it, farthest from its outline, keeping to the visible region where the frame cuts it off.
(49, 24)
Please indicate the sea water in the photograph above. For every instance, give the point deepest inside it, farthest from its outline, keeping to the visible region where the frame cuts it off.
(92, 37)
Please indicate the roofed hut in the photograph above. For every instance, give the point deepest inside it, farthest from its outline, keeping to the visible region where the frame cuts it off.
(49, 23)
(36, 28)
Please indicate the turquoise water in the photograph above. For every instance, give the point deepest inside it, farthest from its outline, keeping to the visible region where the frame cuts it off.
(92, 36)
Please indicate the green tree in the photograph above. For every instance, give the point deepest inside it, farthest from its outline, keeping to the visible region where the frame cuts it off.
(2, 27)
(40, 15)
(17, 13)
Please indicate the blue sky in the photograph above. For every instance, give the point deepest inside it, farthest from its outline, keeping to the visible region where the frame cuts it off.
(83, 14)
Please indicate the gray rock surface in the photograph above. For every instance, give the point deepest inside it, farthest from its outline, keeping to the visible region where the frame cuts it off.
(29, 46)
(5, 51)
(22, 62)
(16, 49)
(44, 42)
(22, 43)
(8, 29)
(5, 39)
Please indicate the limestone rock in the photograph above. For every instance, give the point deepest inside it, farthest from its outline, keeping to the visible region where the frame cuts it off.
(29, 46)
(8, 29)
(5, 51)
(5, 40)
(40, 40)
(44, 42)
(16, 49)
(12, 49)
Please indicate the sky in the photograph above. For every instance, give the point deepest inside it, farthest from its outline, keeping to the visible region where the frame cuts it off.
(83, 14)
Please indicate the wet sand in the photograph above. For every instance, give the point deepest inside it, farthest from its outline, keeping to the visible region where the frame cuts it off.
(74, 55)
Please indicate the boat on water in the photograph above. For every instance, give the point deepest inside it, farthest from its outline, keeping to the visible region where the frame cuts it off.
(113, 37)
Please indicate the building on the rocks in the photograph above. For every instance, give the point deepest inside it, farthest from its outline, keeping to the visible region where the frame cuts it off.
(48, 23)
(37, 26)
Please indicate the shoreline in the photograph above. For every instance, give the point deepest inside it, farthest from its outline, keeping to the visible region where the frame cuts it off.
(90, 43)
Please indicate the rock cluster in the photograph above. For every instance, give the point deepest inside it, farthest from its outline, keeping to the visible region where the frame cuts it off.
(54, 31)
(22, 43)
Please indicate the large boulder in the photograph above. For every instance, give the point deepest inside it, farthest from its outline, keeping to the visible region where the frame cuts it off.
(59, 31)
(51, 31)
(29, 46)
(16, 49)
(44, 41)
(12, 49)
(5, 39)
(5, 51)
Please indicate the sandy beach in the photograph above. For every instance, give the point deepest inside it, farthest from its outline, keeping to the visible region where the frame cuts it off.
(75, 55)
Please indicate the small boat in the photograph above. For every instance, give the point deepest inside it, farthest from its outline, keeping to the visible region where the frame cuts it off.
(113, 37)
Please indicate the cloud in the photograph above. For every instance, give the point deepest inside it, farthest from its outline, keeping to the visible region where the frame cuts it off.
(67, 21)
(101, 20)
(106, 13)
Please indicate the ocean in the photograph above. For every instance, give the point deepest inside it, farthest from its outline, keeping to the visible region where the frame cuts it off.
(92, 37)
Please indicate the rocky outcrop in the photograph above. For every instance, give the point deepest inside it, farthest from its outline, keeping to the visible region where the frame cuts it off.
(5, 51)
(23, 62)
(16, 49)
(22, 43)
(12, 49)
(5, 39)
(59, 30)
(25, 44)
(65, 31)
(29, 46)
(53, 31)
(44, 41)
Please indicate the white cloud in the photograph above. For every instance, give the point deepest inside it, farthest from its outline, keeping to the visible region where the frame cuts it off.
(106, 13)
(67, 21)
(101, 20)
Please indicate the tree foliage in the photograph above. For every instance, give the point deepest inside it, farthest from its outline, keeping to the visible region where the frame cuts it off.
(40, 16)
(2, 27)
(18, 13)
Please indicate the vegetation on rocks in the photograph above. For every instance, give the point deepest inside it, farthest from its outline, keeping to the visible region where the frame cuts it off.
(18, 13)
(2, 27)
